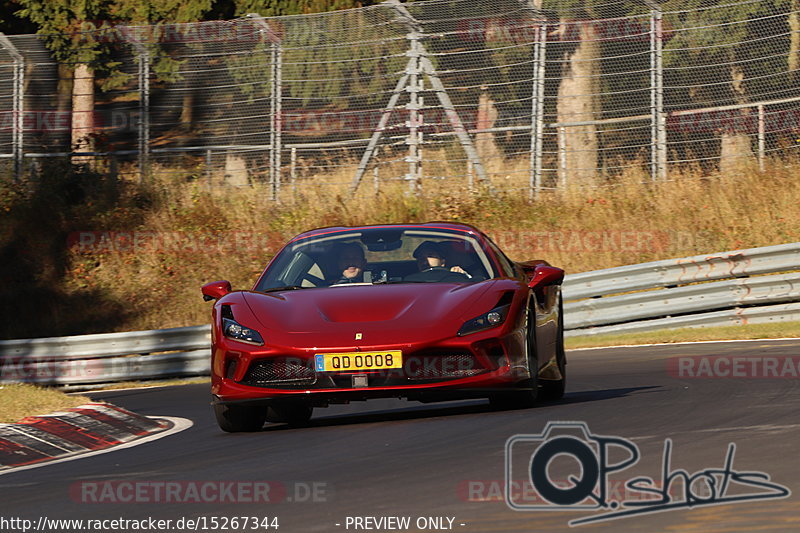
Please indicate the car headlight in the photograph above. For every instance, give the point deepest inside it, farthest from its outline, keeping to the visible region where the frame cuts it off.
(493, 318)
(234, 330)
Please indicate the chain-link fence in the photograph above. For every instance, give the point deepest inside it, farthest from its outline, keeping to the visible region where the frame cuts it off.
(520, 95)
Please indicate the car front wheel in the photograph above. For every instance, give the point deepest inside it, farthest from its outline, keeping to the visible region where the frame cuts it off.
(238, 418)
(554, 390)
(525, 396)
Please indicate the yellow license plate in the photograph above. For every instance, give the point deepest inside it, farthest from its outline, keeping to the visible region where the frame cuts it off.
(356, 361)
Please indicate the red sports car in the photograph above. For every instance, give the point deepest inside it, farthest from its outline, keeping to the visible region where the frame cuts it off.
(426, 312)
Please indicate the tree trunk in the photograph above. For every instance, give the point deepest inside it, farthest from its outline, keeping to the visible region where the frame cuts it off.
(735, 151)
(484, 142)
(235, 170)
(83, 108)
(735, 143)
(578, 101)
(187, 106)
(187, 101)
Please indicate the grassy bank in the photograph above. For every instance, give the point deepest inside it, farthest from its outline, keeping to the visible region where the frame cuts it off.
(776, 330)
(20, 400)
(80, 253)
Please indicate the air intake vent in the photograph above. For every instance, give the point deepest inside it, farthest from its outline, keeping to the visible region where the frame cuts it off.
(265, 372)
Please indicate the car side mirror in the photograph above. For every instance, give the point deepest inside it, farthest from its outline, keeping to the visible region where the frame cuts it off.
(529, 267)
(216, 290)
(544, 275)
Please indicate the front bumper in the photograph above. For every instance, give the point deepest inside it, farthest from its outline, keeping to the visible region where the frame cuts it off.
(453, 369)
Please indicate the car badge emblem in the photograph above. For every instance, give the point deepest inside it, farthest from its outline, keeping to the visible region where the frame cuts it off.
(358, 336)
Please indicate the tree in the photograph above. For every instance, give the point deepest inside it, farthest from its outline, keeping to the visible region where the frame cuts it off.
(274, 8)
(82, 34)
(724, 58)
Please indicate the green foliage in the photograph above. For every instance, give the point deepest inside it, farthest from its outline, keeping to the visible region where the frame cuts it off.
(717, 23)
(87, 31)
(272, 8)
(715, 42)
(63, 25)
(314, 68)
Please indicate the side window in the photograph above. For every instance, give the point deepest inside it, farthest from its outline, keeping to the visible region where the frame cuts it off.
(508, 267)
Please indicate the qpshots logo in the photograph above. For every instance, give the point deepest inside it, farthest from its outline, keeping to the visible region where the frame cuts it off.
(544, 458)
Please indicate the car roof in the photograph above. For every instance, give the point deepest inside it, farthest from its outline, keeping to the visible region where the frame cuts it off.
(452, 226)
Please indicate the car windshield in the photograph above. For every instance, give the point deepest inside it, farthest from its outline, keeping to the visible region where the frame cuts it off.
(377, 256)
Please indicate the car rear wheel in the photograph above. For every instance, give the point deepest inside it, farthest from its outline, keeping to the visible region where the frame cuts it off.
(237, 418)
(554, 390)
(528, 390)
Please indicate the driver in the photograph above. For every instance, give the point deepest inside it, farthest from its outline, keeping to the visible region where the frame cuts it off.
(432, 264)
(350, 263)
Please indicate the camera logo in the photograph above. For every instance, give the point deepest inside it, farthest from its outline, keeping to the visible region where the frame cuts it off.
(571, 441)
(568, 469)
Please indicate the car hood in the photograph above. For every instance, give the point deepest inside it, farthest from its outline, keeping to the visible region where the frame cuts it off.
(383, 314)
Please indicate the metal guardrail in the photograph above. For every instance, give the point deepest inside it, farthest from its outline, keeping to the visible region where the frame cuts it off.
(730, 288)
(737, 316)
(727, 288)
(673, 272)
(699, 298)
(107, 357)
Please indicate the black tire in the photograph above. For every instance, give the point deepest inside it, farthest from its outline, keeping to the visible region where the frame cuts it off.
(294, 414)
(239, 418)
(554, 390)
(526, 396)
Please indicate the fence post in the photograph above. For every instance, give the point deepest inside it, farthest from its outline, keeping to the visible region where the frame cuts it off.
(277, 126)
(762, 137)
(293, 171)
(144, 111)
(562, 154)
(414, 87)
(424, 67)
(537, 110)
(658, 126)
(18, 105)
(275, 105)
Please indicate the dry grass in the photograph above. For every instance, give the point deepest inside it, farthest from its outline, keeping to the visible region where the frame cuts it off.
(177, 382)
(191, 234)
(19, 400)
(774, 330)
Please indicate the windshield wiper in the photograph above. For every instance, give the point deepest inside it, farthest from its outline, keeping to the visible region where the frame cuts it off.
(284, 288)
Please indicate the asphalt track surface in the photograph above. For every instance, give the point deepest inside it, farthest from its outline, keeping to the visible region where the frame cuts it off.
(394, 458)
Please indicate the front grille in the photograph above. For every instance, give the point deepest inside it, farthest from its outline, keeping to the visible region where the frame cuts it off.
(435, 366)
(279, 370)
